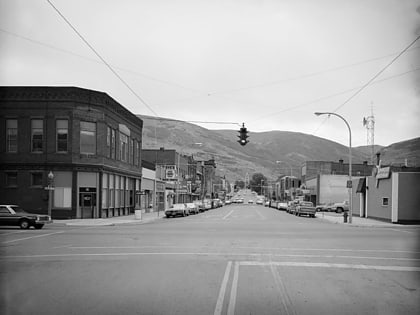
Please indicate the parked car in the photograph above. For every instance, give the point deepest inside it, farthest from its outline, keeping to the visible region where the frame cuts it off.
(259, 201)
(324, 207)
(305, 208)
(291, 206)
(207, 204)
(200, 205)
(217, 203)
(282, 205)
(192, 208)
(250, 201)
(267, 203)
(177, 209)
(228, 202)
(13, 215)
(340, 206)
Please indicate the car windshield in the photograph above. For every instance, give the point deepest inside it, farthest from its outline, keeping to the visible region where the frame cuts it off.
(17, 209)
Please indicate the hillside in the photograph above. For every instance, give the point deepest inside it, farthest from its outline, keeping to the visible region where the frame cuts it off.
(401, 152)
(259, 155)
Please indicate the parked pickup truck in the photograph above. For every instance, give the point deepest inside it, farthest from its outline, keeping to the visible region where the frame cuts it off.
(340, 206)
(305, 207)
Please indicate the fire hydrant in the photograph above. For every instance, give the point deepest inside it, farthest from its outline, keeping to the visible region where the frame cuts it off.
(345, 216)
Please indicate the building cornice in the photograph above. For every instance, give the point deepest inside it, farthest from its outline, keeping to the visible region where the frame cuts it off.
(65, 94)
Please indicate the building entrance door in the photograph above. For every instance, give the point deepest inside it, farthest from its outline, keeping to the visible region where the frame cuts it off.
(87, 203)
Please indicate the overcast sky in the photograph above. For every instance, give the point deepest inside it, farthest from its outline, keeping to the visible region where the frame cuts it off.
(269, 64)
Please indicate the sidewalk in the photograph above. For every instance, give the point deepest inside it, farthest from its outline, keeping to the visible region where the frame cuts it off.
(357, 221)
(128, 219)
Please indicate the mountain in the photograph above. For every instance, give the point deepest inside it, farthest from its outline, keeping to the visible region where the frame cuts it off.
(401, 153)
(367, 150)
(258, 156)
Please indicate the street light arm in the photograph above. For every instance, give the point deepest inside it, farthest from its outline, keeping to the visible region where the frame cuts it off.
(350, 157)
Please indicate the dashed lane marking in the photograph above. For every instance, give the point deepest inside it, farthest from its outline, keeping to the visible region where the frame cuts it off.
(227, 216)
(31, 237)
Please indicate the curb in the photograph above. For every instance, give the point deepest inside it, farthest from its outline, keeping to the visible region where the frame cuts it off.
(105, 223)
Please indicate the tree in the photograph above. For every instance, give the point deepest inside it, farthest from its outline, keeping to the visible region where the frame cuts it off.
(240, 184)
(257, 182)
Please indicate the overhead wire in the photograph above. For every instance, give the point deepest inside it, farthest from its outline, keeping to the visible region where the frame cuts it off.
(369, 81)
(323, 98)
(102, 59)
(174, 84)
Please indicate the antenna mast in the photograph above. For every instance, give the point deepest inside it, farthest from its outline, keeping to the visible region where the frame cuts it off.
(369, 123)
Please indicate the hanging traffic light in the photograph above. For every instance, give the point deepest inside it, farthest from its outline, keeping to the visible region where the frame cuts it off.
(243, 135)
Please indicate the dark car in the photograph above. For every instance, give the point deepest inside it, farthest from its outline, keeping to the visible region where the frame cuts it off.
(12, 215)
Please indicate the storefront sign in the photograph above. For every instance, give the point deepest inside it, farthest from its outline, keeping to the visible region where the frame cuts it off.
(383, 173)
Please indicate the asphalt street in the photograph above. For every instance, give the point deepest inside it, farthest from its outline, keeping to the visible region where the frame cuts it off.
(238, 259)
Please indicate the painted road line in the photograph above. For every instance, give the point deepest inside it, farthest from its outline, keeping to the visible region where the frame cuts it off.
(281, 289)
(261, 216)
(329, 265)
(14, 232)
(397, 230)
(226, 216)
(31, 237)
(222, 292)
(234, 290)
(258, 255)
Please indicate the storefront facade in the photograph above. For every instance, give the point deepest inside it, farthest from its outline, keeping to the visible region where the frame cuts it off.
(82, 143)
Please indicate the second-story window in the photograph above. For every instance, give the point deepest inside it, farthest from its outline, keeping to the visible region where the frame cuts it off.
(62, 132)
(131, 160)
(11, 135)
(123, 147)
(37, 134)
(135, 155)
(87, 137)
(113, 144)
(108, 142)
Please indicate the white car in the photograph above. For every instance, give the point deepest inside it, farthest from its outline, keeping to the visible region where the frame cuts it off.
(192, 207)
(177, 209)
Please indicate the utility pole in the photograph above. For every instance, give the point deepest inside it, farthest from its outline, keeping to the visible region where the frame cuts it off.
(369, 123)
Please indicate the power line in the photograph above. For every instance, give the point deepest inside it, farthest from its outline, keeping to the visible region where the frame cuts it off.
(96, 61)
(369, 82)
(307, 75)
(377, 75)
(193, 121)
(102, 59)
(332, 95)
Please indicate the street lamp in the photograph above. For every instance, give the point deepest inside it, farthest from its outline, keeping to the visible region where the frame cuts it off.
(291, 173)
(350, 167)
(50, 189)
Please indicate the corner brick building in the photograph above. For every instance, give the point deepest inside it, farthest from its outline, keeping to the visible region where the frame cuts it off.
(85, 140)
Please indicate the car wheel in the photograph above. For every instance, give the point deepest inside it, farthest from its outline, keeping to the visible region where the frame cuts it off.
(24, 224)
(39, 226)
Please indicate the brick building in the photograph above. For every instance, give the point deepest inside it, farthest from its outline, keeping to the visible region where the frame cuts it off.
(85, 139)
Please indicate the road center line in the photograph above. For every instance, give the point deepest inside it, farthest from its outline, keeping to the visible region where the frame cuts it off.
(259, 213)
(226, 216)
(31, 237)
(329, 265)
(222, 292)
(281, 289)
(233, 291)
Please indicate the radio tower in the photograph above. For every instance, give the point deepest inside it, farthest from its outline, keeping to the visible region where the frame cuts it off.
(369, 123)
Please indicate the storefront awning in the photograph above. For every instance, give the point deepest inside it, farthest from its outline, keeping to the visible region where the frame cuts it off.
(361, 186)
